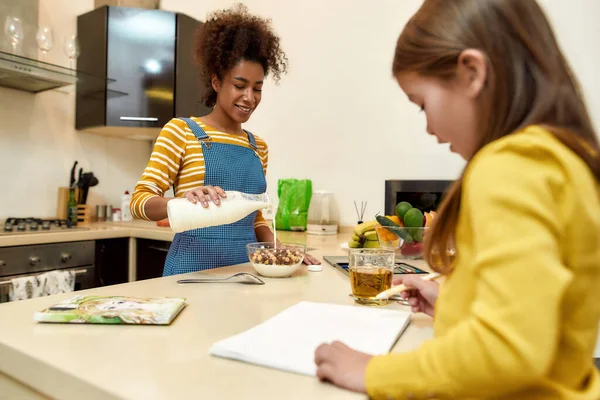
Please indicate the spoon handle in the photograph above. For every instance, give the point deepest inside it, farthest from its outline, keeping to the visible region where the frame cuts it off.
(204, 280)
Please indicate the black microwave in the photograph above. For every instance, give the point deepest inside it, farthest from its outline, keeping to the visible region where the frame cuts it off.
(425, 195)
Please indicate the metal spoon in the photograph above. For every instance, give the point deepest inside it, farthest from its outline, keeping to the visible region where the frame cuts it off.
(395, 297)
(242, 277)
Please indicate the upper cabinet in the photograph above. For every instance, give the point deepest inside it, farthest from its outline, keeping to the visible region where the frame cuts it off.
(146, 58)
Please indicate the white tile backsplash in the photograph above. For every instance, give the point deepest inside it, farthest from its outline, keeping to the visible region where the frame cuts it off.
(38, 145)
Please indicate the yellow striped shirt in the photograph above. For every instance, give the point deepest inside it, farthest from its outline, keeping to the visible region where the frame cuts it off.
(177, 161)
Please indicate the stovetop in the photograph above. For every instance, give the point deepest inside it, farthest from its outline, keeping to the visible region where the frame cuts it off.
(20, 226)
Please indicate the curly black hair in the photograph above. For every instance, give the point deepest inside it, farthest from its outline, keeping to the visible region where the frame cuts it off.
(230, 36)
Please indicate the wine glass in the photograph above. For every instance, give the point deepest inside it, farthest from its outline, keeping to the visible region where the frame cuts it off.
(71, 49)
(14, 30)
(45, 40)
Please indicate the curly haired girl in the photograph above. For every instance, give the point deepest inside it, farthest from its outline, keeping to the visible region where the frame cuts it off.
(203, 157)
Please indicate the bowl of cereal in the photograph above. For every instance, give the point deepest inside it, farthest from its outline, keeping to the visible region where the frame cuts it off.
(275, 261)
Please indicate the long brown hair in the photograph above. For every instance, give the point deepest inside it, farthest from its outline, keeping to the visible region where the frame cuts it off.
(528, 82)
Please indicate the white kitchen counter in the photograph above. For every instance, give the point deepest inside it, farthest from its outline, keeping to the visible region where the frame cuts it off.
(95, 231)
(40, 361)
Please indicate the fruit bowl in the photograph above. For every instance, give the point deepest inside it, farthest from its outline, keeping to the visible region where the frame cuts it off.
(275, 262)
(414, 250)
(411, 248)
(405, 231)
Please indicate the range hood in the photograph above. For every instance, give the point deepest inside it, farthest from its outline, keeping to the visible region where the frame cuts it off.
(22, 73)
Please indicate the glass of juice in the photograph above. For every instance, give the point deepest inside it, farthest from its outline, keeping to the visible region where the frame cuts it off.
(371, 272)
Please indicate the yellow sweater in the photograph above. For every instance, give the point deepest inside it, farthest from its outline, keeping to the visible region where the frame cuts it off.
(518, 317)
(177, 160)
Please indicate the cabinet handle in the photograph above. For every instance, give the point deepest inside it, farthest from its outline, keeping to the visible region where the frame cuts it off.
(159, 249)
(76, 272)
(148, 119)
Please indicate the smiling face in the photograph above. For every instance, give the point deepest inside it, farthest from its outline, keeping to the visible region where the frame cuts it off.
(239, 92)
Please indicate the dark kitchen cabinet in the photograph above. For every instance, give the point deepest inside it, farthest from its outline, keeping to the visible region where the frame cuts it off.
(151, 256)
(112, 261)
(146, 57)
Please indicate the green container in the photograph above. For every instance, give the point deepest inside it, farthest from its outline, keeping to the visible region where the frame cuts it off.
(294, 199)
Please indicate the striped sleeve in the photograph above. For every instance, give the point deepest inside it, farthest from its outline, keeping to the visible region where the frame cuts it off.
(263, 153)
(162, 168)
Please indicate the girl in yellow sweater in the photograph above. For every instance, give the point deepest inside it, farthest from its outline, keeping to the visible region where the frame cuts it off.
(517, 316)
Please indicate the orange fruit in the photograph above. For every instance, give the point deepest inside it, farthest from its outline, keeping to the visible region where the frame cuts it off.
(385, 235)
(395, 219)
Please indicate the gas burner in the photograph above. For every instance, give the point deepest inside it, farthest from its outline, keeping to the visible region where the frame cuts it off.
(16, 226)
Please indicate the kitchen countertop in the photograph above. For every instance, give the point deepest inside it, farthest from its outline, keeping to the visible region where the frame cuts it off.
(137, 229)
(40, 361)
(94, 231)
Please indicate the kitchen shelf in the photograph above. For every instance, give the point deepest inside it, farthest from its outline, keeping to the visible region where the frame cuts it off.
(23, 73)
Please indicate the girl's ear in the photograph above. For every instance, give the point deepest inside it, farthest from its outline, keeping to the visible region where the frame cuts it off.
(216, 83)
(471, 72)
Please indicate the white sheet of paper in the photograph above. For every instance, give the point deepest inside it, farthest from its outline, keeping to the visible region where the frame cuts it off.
(288, 340)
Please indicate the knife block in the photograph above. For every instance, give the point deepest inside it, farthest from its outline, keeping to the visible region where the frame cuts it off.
(83, 215)
(63, 200)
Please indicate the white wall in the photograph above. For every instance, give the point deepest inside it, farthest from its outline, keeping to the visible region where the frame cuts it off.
(38, 141)
(339, 118)
(577, 29)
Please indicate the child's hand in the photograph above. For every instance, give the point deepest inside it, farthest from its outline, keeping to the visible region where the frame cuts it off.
(424, 295)
(342, 366)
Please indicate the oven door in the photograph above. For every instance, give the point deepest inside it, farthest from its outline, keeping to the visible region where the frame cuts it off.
(84, 279)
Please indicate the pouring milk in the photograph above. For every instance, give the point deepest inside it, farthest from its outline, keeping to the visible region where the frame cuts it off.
(185, 215)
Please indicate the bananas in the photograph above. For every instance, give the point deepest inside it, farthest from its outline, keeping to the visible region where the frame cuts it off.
(354, 244)
(364, 236)
(364, 227)
(369, 244)
(371, 236)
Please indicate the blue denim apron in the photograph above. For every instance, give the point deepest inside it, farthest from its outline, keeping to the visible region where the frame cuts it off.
(232, 167)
